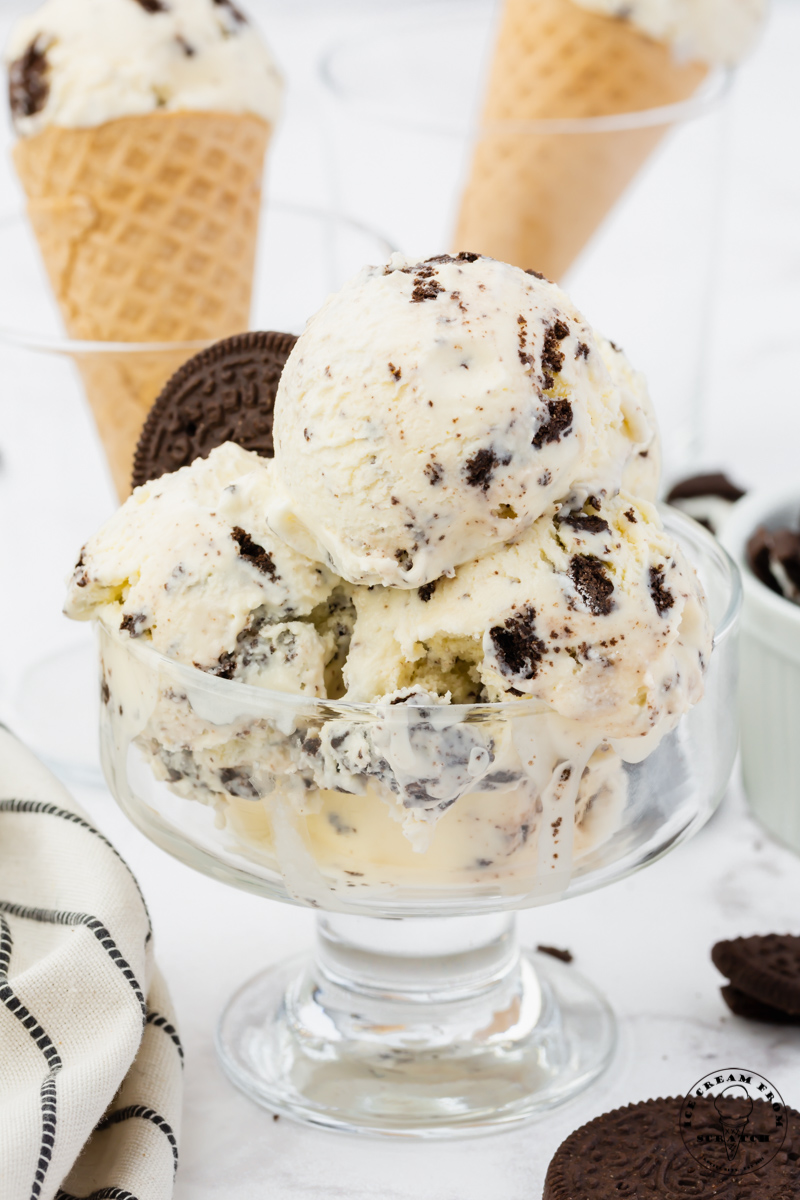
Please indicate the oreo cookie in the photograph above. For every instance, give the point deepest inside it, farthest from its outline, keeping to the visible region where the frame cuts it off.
(224, 394)
(742, 1005)
(646, 1151)
(766, 969)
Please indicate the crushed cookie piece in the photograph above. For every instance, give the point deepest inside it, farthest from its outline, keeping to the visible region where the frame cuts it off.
(631, 515)
(588, 574)
(134, 624)
(537, 274)
(518, 649)
(662, 596)
(28, 84)
(587, 523)
(435, 473)
(557, 425)
(253, 553)
(480, 468)
(582, 350)
(426, 591)
(396, 371)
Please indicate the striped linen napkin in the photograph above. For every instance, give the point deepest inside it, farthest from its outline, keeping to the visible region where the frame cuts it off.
(90, 1060)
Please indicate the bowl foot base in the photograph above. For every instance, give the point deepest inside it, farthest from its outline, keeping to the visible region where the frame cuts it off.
(311, 1046)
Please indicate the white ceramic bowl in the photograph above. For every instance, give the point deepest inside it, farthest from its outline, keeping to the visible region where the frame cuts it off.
(769, 684)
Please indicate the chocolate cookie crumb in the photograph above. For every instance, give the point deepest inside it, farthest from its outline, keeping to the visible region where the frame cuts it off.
(28, 85)
(536, 274)
(662, 596)
(155, 6)
(557, 425)
(253, 553)
(552, 354)
(435, 473)
(587, 523)
(592, 584)
(426, 591)
(564, 956)
(480, 468)
(134, 624)
(187, 49)
(519, 651)
(631, 515)
(582, 350)
(396, 371)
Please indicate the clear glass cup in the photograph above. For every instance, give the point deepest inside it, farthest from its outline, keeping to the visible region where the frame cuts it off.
(304, 254)
(627, 206)
(419, 1014)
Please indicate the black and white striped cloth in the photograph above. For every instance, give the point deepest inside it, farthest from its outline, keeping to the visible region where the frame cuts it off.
(90, 1059)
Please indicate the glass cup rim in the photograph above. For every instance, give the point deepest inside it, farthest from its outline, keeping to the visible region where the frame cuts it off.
(710, 93)
(62, 345)
(254, 698)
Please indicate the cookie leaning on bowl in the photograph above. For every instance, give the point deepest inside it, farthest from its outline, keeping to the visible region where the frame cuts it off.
(224, 394)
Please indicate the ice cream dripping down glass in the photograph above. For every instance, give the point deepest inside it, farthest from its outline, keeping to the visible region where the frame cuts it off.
(418, 1015)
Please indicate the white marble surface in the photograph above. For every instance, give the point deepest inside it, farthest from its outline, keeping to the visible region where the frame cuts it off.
(644, 941)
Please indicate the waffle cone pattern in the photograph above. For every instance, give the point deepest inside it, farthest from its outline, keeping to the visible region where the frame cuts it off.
(148, 229)
(535, 199)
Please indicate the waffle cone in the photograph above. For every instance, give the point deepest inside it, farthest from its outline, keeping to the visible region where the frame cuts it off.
(535, 199)
(148, 228)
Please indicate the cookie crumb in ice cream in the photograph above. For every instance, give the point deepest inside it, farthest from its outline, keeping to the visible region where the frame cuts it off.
(630, 515)
(557, 425)
(662, 596)
(426, 591)
(588, 574)
(582, 350)
(134, 624)
(587, 523)
(254, 553)
(153, 6)
(480, 468)
(396, 371)
(28, 83)
(519, 651)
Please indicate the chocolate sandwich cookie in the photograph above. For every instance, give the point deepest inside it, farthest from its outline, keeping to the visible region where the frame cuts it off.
(707, 498)
(742, 1005)
(650, 1151)
(774, 557)
(765, 968)
(224, 394)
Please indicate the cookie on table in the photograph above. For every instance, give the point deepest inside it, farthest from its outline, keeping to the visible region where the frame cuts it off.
(742, 1005)
(765, 968)
(638, 1153)
(224, 394)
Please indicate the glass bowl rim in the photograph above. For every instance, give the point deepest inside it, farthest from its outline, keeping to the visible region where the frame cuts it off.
(59, 344)
(254, 698)
(710, 93)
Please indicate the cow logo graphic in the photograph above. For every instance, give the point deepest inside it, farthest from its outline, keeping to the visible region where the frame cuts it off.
(733, 1121)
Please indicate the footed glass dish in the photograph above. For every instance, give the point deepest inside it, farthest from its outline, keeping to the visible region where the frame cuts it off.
(415, 830)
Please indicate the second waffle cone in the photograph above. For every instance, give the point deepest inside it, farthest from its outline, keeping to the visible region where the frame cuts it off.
(148, 229)
(533, 198)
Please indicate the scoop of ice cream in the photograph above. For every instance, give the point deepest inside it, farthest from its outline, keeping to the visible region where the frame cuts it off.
(433, 410)
(712, 31)
(78, 63)
(595, 613)
(189, 563)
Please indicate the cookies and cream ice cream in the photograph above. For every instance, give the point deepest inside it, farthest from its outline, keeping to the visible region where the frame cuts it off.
(458, 714)
(433, 410)
(593, 611)
(78, 63)
(719, 32)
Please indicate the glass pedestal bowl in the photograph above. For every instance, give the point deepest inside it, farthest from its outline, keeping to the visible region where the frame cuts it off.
(416, 832)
